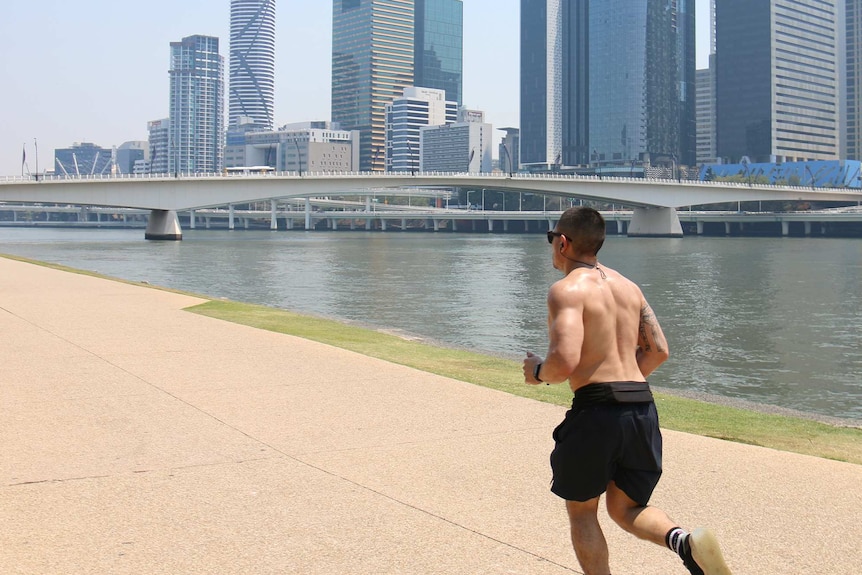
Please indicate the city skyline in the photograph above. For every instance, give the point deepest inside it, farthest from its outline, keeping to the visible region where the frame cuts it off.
(99, 74)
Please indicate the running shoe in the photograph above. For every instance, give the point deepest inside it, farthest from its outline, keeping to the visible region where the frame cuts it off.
(701, 554)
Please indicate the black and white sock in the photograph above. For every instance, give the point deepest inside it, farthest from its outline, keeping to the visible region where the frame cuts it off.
(674, 540)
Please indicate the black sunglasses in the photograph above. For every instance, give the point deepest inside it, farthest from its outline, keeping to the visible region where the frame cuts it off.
(552, 235)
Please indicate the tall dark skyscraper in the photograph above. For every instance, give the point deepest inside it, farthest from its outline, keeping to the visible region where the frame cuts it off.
(380, 47)
(777, 81)
(438, 46)
(607, 82)
(252, 62)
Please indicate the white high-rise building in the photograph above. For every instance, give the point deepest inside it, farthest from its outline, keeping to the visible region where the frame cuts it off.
(252, 62)
(405, 116)
(196, 143)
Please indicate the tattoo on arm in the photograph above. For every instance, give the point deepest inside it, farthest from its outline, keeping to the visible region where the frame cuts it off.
(648, 319)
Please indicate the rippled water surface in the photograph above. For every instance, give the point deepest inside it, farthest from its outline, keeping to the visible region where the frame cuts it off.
(769, 320)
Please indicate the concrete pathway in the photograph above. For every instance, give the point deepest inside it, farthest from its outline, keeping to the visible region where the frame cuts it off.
(140, 438)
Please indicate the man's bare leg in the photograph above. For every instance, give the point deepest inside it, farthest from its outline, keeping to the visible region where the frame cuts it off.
(648, 523)
(700, 551)
(589, 542)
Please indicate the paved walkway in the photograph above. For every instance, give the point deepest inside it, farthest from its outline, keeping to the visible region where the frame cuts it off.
(139, 438)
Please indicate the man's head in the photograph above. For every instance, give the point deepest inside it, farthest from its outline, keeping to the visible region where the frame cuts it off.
(584, 228)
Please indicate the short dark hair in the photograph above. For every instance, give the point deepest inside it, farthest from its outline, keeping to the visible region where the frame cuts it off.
(585, 228)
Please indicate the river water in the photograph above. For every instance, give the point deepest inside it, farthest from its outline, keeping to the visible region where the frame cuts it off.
(775, 321)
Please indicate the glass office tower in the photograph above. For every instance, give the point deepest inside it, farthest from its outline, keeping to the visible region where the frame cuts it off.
(607, 83)
(777, 80)
(252, 62)
(196, 106)
(372, 63)
(438, 46)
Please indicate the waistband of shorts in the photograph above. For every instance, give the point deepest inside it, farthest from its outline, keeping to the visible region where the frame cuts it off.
(613, 393)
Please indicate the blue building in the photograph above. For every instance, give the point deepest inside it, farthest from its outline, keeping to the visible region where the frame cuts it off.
(607, 83)
(821, 174)
(438, 52)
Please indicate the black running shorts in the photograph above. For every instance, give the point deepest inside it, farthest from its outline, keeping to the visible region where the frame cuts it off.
(607, 441)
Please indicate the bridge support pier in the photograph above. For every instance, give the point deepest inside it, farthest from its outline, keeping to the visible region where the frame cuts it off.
(699, 228)
(655, 222)
(163, 225)
(230, 222)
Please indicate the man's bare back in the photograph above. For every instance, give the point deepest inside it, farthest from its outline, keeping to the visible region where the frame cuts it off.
(599, 321)
(608, 306)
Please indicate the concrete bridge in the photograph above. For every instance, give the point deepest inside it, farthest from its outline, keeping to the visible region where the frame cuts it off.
(653, 202)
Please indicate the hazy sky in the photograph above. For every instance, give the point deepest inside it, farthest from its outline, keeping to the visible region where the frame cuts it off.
(97, 70)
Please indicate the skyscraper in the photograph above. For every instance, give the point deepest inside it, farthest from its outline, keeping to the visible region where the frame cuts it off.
(853, 76)
(777, 80)
(438, 46)
(372, 63)
(705, 100)
(159, 143)
(252, 62)
(196, 106)
(607, 82)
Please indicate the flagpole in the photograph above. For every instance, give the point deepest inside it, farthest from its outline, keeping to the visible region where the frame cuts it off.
(23, 157)
(36, 144)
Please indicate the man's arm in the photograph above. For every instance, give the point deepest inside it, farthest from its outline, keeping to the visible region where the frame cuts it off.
(652, 345)
(565, 335)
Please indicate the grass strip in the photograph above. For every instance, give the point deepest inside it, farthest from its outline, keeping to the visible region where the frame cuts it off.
(780, 432)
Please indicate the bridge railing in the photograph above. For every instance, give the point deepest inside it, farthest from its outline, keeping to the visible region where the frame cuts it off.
(390, 175)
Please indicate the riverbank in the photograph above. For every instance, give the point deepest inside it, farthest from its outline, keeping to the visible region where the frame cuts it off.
(695, 412)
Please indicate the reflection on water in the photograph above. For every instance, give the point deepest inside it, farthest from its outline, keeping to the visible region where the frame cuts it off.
(770, 320)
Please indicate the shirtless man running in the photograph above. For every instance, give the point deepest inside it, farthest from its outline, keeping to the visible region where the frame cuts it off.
(605, 340)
